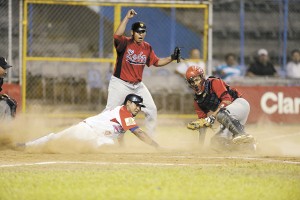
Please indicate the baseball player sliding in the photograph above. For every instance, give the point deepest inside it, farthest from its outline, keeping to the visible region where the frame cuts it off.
(103, 128)
(226, 106)
(133, 54)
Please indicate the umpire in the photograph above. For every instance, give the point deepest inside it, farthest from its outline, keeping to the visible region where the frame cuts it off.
(8, 105)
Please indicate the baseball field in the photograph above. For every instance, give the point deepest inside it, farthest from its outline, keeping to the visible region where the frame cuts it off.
(184, 169)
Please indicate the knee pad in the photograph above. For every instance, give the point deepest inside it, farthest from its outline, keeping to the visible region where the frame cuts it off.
(234, 125)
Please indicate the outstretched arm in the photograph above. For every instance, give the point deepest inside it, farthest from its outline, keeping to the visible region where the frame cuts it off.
(121, 29)
(164, 61)
(175, 56)
(145, 138)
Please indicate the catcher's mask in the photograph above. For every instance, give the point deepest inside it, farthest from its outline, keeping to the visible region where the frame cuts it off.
(195, 78)
(138, 100)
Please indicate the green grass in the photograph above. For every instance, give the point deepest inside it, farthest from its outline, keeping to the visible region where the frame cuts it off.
(226, 181)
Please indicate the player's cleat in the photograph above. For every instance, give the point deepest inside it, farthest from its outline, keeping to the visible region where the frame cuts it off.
(243, 138)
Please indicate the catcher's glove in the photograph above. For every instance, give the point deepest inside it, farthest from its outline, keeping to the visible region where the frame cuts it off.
(176, 55)
(201, 123)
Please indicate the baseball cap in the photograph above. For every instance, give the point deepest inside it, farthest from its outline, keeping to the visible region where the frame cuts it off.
(3, 63)
(138, 100)
(262, 52)
(138, 26)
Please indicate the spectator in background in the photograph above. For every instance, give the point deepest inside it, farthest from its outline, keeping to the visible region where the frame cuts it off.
(228, 70)
(293, 67)
(194, 60)
(261, 66)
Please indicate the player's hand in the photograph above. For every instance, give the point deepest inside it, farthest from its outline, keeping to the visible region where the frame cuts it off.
(176, 55)
(210, 120)
(131, 13)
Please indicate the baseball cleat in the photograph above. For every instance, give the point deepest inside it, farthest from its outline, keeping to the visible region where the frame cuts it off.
(241, 139)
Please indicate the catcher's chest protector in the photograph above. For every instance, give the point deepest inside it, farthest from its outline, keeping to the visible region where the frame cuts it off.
(207, 100)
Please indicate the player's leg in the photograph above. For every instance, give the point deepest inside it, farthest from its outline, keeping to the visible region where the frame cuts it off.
(53, 136)
(5, 111)
(234, 117)
(239, 109)
(221, 140)
(150, 110)
(117, 91)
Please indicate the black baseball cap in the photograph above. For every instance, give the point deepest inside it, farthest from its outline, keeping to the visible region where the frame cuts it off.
(138, 100)
(3, 63)
(138, 26)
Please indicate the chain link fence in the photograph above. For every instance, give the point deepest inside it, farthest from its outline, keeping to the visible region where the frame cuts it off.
(69, 44)
(9, 36)
(70, 54)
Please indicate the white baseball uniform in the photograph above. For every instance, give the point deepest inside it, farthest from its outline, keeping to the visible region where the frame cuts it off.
(101, 129)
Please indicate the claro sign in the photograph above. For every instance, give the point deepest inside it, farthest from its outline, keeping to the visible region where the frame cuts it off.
(271, 103)
(275, 103)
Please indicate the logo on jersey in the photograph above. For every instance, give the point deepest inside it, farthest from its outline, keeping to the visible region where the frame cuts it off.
(137, 59)
(129, 121)
(118, 129)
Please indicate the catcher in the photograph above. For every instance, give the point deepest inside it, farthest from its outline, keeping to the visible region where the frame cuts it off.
(8, 105)
(225, 104)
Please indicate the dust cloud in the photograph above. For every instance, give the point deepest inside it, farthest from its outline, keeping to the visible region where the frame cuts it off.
(272, 139)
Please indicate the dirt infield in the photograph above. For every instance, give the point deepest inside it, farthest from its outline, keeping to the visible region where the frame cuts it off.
(276, 141)
(184, 169)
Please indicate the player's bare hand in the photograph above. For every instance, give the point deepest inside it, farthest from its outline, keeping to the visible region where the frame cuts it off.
(131, 13)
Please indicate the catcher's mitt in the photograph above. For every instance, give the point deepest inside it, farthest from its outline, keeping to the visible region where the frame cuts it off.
(176, 55)
(199, 123)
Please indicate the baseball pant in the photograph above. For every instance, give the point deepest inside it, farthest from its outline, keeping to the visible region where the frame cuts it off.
(5, 111)
(80, 132)
(239, 109)
(119, 89)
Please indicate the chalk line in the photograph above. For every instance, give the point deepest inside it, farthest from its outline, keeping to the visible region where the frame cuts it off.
(266, 160)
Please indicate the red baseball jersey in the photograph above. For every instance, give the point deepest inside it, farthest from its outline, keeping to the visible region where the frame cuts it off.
(132, 58)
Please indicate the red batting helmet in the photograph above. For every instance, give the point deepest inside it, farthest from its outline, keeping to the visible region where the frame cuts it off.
(195, 78)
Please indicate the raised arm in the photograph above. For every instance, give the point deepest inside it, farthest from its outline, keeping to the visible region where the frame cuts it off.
(145, 138)
(121, 28)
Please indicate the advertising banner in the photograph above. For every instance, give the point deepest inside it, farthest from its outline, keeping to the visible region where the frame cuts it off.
(279, 104)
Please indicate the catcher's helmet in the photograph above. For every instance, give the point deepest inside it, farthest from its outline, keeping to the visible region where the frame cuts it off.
(138, 100)
(193, 71)
(138, 26)
(192, 74)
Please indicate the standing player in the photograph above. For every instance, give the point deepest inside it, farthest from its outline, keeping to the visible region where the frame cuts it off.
(225, 104)
(103, 128)
(133, 54)
(8, 105)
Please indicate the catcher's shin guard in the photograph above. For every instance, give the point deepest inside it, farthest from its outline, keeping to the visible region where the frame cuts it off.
(229, 122)
(234, 126)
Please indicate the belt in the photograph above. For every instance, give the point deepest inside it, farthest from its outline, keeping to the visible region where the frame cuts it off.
(133, 83)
